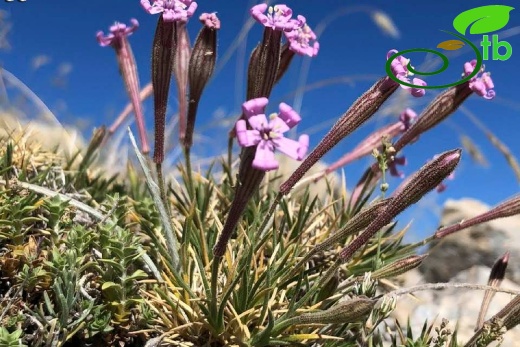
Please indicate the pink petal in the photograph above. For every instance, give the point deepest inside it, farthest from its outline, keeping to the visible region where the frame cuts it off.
(488, 82)
(254, 106)
(104, 40)
(406, 118)
(392, 166)
(191, 9)
(304, 146)
(418, 92)
(288, 115)
(490, 95)
(246, 138)
(469, 67)
(277, 125)
(398, 68)
(391, 52)
(404, 79)
(210, 20)
(288, 147)
(257, 12)
(258, 122)
(264, 157)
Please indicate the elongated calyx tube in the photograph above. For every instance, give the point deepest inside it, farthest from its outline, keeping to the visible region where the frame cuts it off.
(438, 110)
(201, 67)
(374, 140)
(263, 66)
(448, 102)
(167, 56)
(249, 180)
(145, 92)
(347, 311)
(507, 208)
(286, 57)
(399, 267)
(164, 43)
(408, 193)
(181, 61)
(360, 111)
(496, 276)
(360, 221)
(128, 68)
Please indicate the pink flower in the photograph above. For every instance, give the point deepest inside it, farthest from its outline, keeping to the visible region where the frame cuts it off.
(210, 20)
(400, 70)
(118, 32)
(392, 166)
(268, 135)
(117, 39)
(172, 10)
(278, 17)
(406, 117)
(302, 40)
(481, 84)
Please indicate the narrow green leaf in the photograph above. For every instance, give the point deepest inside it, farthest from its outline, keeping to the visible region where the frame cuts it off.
(137, 275)
(171, 240)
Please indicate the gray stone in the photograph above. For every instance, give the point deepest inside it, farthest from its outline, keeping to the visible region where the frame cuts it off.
(479, 245)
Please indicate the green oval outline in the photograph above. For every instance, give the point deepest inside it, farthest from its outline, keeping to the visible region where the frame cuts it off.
(444, 59)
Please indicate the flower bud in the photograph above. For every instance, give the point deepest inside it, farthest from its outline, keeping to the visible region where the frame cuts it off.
(201, 67)
(345, 312)
(360, 111)
(507, 208)
(498, 272)
(399, 267)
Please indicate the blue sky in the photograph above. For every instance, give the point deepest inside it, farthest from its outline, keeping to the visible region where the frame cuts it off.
(80, 81)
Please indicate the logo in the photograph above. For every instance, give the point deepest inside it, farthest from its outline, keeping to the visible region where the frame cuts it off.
(480, 21)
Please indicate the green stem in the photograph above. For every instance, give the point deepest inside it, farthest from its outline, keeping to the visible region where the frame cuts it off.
(160, 183)
(214, 304)
(187, 157)
(230, 154)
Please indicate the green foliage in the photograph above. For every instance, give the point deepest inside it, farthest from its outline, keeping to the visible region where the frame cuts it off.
(119, 255)
(10, 339)
(19, 214)
(430, 336)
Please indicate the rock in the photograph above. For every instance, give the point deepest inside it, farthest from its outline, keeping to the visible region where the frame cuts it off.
(458, 305)
(479, 245)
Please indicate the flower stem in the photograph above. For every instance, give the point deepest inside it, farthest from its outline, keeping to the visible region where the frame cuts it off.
(160, 183)
(187, 157)
(230, 156)
(213, 302)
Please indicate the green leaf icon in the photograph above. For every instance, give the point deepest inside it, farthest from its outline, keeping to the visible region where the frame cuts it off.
(451, 45)
(483, 19)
